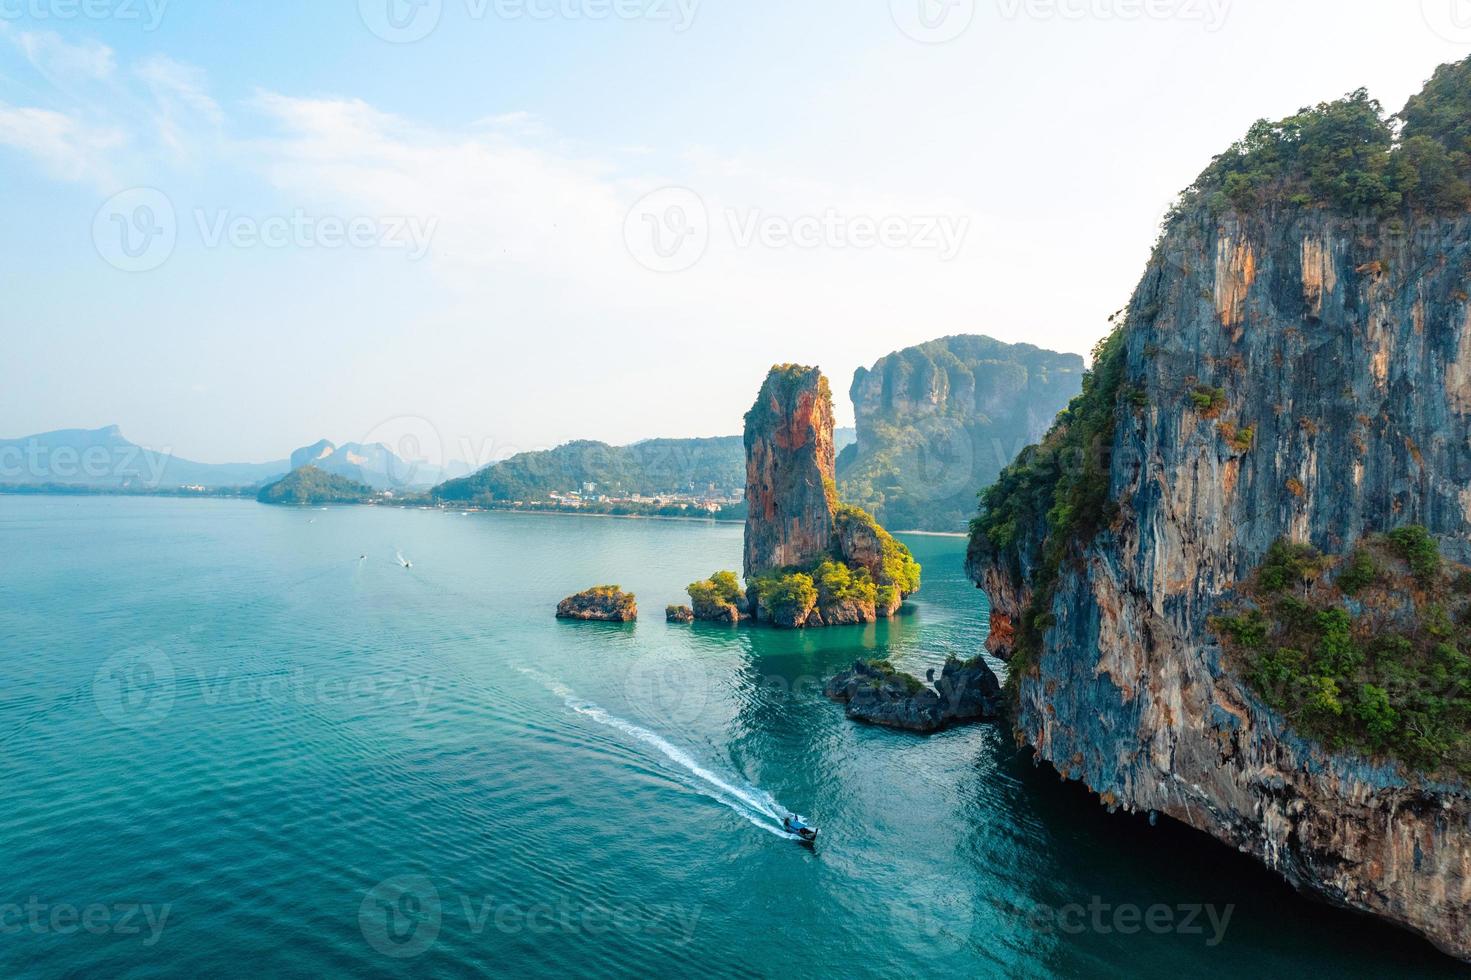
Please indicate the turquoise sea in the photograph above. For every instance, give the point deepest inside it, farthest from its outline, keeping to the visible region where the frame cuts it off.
(247, 741)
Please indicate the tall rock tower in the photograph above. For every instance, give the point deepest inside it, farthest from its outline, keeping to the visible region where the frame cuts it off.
(790, 489)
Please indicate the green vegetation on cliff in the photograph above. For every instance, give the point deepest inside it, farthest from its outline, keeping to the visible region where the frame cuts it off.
(309, 485)
(785, 598)
(836, 583)
(869, 582)
(895, 568)
(885, 673)
(1347, 156)
(1368, 653)
(719, 597)
(1060, 486)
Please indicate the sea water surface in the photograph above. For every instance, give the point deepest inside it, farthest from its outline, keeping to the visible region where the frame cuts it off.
(250, 741)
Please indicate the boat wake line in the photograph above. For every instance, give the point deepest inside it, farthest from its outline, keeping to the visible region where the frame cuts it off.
(756, 805)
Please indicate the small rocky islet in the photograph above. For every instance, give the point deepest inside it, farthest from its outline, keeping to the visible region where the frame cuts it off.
(873, 691)
(601, 604)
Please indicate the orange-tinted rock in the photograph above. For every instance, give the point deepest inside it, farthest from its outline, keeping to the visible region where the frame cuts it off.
(789, 471)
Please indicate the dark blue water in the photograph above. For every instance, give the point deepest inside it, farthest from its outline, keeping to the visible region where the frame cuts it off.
(234, 747)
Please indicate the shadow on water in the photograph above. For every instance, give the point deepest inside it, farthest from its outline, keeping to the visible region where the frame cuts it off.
(1093, 859)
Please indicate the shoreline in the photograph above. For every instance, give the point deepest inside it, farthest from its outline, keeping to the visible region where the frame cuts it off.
(168, 495)
(572, 513)
(933, 534)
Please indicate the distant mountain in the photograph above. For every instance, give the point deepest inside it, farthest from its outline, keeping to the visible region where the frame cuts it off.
(375, 465)
(937, 422)
(650, 468)
(310, 485)
(104, 458)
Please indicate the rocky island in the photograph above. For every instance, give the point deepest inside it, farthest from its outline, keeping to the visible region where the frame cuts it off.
(603, 603)
(1219, 579)
(875, 692)
(810, 560)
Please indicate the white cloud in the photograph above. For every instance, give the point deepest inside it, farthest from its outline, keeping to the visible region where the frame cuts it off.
(184, 113)
(67, 147)
(59, 60)
(504, 204)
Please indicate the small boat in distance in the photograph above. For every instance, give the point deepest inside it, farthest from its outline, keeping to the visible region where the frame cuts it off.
(794, 824)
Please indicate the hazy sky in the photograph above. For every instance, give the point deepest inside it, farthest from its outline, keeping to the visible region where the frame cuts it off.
(235, 228)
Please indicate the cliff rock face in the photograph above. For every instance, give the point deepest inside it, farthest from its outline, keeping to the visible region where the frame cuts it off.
(790, 491)
(1342, 354)
(876, 693)
(603, 604)
(938, 421)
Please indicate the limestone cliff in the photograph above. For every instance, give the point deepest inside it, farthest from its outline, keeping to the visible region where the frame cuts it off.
(790, 493)
(810, 559)
(1286, 369)
(939, 420)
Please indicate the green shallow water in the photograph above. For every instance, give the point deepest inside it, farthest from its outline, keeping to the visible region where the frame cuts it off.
(318, 765)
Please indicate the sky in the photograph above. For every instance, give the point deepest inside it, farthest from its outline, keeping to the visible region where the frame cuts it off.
(489, 226)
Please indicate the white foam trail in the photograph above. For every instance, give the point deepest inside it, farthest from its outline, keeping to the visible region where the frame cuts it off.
(757, 806)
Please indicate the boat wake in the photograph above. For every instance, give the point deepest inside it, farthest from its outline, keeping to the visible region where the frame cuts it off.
(756, 805)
